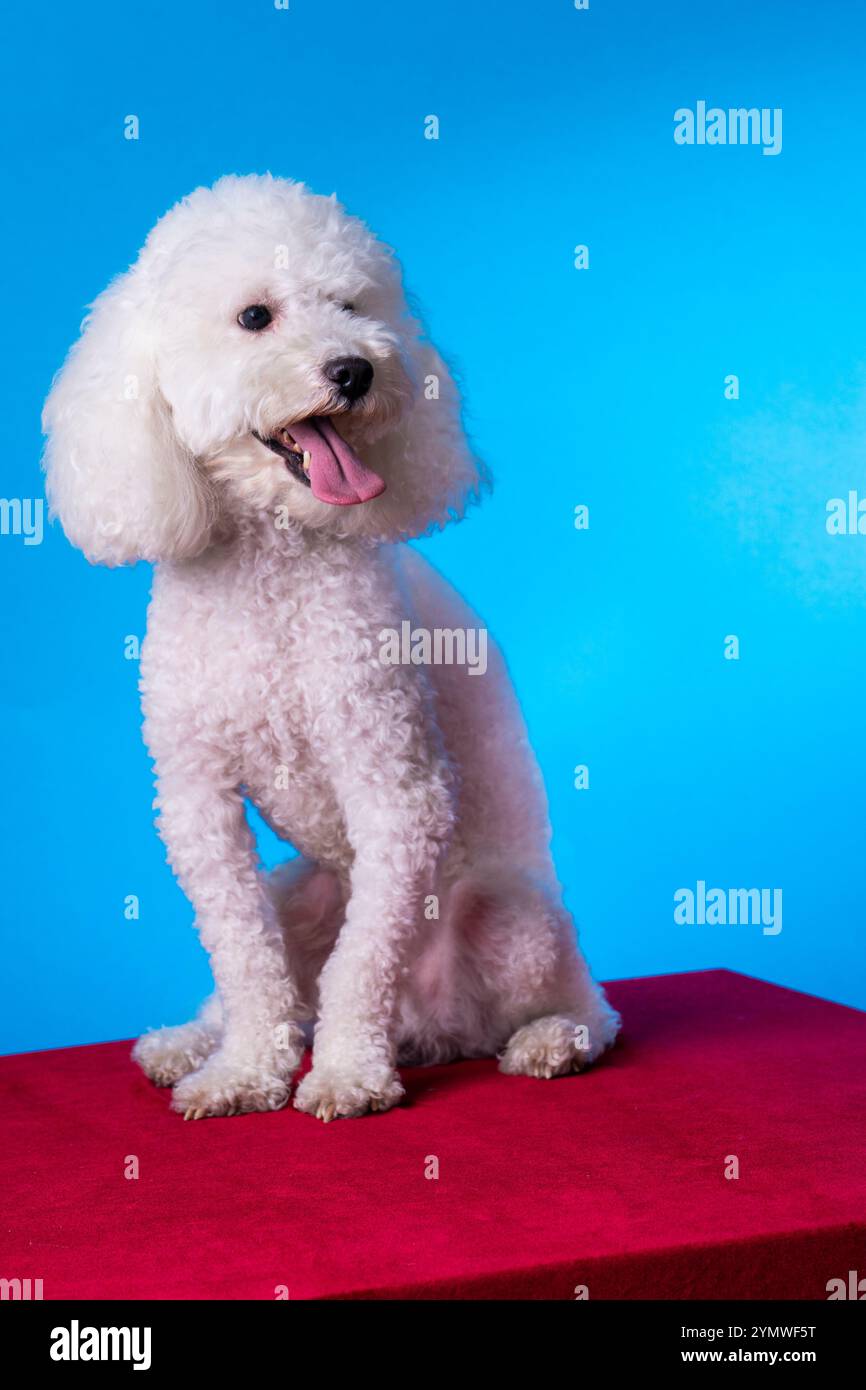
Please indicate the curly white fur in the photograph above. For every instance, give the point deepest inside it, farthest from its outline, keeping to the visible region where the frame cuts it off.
(401, 786)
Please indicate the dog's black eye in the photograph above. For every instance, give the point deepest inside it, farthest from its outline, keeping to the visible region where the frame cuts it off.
(348, 308)
(254, 317)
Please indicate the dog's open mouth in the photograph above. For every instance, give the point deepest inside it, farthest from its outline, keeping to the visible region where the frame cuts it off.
(321, 459)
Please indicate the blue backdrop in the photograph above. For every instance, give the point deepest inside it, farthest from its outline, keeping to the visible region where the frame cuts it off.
(603, 387)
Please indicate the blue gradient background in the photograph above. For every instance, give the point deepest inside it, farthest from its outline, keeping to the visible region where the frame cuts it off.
(603, 387)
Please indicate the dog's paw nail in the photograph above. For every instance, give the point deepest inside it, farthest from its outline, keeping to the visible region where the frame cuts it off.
(327, 1112)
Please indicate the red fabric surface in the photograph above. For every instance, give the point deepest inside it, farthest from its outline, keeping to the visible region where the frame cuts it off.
(613, 1179)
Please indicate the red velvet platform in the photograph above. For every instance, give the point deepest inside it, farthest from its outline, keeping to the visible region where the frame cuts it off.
(614, 1179)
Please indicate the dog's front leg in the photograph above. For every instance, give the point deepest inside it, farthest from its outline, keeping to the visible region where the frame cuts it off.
(211, 849)
(354, 1052)
(397, 804)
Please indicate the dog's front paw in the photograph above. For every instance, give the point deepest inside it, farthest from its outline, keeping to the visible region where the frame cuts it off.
(227, 1086)
(331, 1095)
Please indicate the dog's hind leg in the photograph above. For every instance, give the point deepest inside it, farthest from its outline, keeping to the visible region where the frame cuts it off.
(168, 1054)
(310, 905)
(557, 1044)
(573, 1023)
(523, 987)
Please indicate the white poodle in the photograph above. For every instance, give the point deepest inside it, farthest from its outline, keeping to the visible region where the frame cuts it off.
(252, 408)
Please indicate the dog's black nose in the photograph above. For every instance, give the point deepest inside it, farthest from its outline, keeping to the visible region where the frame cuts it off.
(352, 376)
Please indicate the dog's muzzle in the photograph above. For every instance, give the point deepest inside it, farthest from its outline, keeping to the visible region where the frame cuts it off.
(323, 461)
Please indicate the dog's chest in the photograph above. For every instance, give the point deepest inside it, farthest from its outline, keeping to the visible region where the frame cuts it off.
(236, 654)
(225, 663)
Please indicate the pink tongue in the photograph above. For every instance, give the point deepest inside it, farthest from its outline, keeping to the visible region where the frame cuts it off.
(337, 475)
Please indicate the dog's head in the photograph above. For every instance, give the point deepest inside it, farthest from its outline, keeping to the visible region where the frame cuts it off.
(257, 359)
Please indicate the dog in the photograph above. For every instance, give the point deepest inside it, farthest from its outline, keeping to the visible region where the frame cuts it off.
(252, 408)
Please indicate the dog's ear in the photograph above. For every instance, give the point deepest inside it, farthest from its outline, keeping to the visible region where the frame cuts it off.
(431, 471)
(118, 477)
